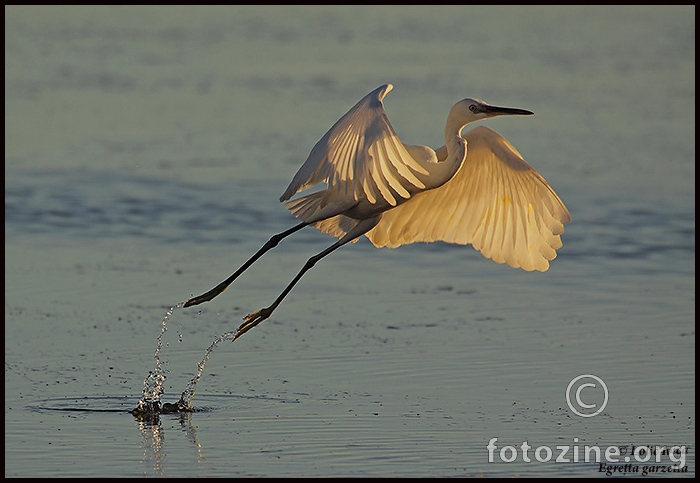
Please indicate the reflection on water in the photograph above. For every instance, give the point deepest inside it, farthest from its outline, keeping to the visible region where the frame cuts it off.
(153, 437)
(153, 440)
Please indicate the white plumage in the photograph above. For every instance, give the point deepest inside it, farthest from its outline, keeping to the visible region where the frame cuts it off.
(476, 190)
(494, 200)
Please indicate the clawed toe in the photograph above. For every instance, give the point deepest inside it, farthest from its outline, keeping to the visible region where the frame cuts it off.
(253, 319)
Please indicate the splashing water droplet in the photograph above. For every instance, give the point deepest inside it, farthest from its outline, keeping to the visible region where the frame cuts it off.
(188, 393)
(154, 382)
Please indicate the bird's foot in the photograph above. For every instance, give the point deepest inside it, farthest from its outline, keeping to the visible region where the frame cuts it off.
(207, 296)
(251, 320)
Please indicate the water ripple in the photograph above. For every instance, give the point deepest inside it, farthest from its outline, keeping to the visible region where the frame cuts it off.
(111, 204)
(614, 228)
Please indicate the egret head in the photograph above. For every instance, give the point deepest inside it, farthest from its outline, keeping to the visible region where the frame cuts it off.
(470, 110)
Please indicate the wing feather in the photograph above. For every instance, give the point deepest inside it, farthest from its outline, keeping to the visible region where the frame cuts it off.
(361, 157)
(497, 202)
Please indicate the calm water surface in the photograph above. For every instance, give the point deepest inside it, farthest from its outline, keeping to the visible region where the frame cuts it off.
(145, 151)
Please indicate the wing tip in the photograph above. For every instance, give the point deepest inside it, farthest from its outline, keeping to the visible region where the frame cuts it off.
(384, 90)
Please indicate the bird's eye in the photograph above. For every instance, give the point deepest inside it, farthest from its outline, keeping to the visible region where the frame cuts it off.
(474, 108)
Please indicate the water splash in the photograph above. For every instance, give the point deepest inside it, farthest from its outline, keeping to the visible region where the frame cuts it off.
(155, 381)
(187, 395)
(149, 406)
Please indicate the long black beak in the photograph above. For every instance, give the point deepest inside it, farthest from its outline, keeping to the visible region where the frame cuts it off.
(503, 111)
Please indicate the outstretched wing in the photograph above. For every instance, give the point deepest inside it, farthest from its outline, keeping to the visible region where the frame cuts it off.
(497, 202)
(361, 157)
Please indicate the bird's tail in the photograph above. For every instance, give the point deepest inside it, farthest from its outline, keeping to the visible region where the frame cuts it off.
(310, 207)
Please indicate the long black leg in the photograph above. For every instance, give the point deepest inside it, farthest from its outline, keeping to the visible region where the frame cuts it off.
(251, 320)
(271, 243)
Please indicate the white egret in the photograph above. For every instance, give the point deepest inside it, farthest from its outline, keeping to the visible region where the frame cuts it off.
(476, 190)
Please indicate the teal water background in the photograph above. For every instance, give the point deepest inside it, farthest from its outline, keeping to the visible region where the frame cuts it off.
(146, 148)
